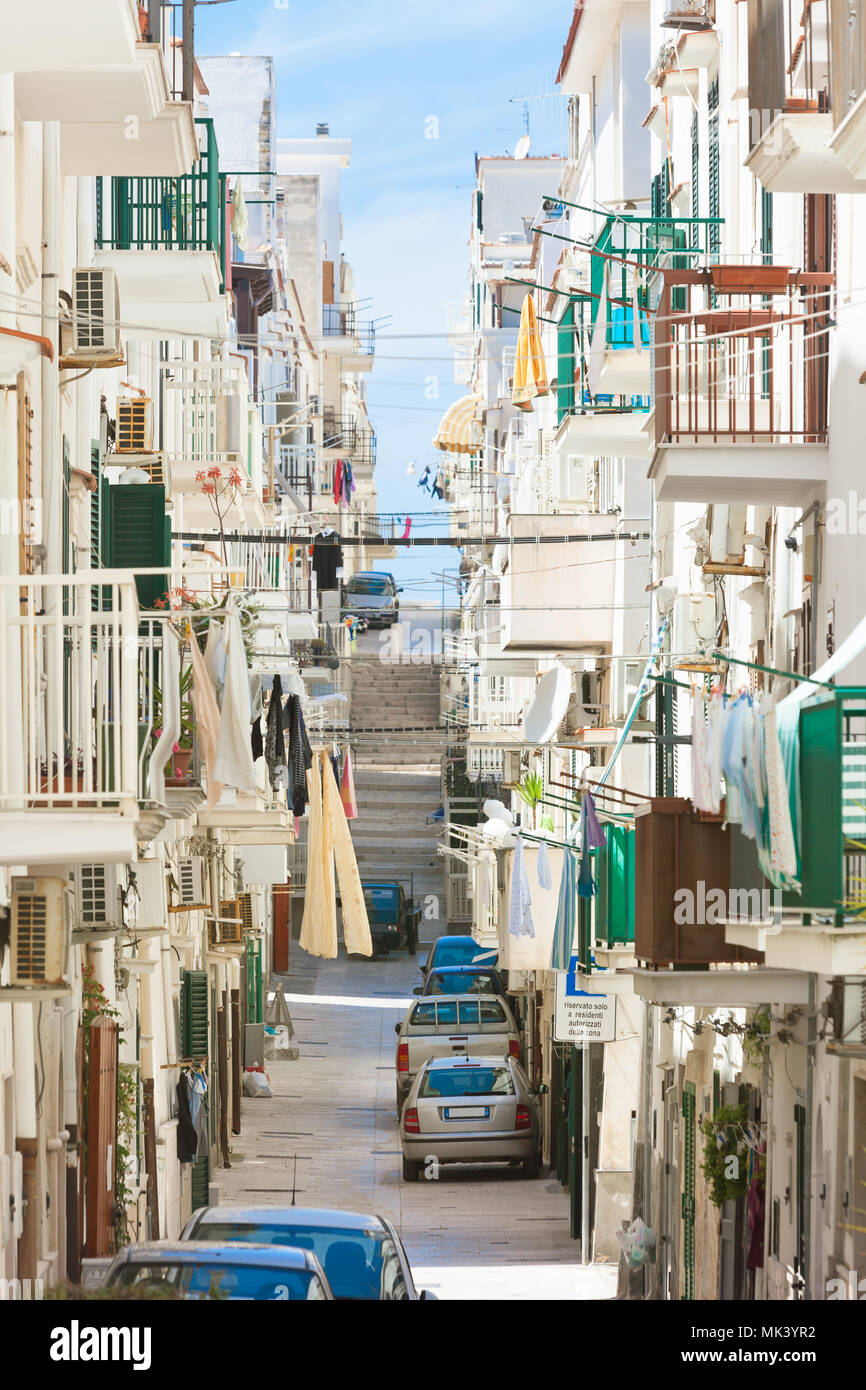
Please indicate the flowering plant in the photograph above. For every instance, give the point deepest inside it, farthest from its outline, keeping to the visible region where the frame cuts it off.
(221, 492)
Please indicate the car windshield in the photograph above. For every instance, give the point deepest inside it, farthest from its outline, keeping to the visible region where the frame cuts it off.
(461, 952)
(369, 584)
(223, 1280)
(481, 982)
(355, 1261)
(382, 904)
(468, 1014)
(467, 1081)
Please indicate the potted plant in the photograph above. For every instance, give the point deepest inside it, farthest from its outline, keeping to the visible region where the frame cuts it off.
(182, 751)
(531, 791)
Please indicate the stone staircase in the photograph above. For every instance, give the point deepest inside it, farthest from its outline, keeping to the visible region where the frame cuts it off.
(396, 748)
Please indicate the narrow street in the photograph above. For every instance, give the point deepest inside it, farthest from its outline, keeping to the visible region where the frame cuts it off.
(479, 1233)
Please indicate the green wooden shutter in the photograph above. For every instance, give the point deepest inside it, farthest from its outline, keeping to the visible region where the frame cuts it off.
(566, 346)
(139, 534)
(194, 1040)
(715, 236)
(688, 1189)
(479, 204)
(696, 176)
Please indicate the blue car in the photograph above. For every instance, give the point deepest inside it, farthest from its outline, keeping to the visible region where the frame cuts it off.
(362, 1256)
(228, 1271)
(462, 979)
(458, 950)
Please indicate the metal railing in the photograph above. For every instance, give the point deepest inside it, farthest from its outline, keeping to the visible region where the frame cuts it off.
(302, 468)
(183, 213)
(213, 403)
(341, 320)
(350, 436)
(750, 369)
(69, 695)
(635, 246)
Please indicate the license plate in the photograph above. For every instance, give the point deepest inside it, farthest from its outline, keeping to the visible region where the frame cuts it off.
(468, 1112)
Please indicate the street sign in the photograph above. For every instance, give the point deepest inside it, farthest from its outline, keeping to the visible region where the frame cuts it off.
(580, 1017)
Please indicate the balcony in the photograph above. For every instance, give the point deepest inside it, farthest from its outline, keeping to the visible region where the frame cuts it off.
(299, 468)
(638, 246)
(806, 70)
(552, 600)
(165, 240)
(593, 420)
(353, 342)
(69, 753)
(348, 436)
(740, 385)
(208, 423)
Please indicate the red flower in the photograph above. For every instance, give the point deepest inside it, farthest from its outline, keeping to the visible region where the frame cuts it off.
(208, 489)
(235, 478)
(215, 472)
(200, 476)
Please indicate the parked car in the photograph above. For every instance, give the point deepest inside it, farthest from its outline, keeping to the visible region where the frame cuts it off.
(226, 1270)
(461, 979)
(362, 1256)
(372, 595)
(470, 1110)
(458, 950)
(452, 1026)
(394, 918)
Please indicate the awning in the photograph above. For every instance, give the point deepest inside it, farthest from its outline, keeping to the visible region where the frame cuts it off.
(460, 430)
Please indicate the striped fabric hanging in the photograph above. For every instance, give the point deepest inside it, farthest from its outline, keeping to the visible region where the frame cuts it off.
(566, 915)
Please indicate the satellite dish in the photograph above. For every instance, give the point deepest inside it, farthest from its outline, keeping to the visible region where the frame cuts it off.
(549, 705)
(521, 149)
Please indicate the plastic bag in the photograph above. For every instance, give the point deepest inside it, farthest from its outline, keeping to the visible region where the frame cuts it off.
(256, 1084)
(637, 1244)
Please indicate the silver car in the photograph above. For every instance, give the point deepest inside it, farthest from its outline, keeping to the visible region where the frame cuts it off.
(452, 1025)
(470, 1110)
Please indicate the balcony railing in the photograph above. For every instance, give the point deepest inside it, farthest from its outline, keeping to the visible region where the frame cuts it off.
(68, 726)
(300, 467)
(212, 427)
(637, 246)
(339, 320)
(187, 213)
(746, 360)
(348, 435)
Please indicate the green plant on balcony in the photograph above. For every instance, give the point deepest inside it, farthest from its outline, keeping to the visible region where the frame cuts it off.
(724, 1165)
(531, 792)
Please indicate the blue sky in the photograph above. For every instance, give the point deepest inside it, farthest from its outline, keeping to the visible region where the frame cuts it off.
(376, 70)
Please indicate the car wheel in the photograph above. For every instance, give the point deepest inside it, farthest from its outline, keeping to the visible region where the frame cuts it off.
(530, 1167)
(411, 1170)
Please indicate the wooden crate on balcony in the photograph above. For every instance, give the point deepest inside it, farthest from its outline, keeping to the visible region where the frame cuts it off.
(677, 849)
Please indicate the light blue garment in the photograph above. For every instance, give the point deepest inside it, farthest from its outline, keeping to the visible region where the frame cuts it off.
(566, 915)
(545, 877)
(520, 915)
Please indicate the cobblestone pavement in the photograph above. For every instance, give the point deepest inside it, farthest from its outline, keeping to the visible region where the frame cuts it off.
(477, 1233)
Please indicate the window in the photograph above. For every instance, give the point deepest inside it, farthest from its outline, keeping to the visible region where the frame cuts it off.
(467, 1081)
(393, 1282)
(224, 1281)
(423, 1016)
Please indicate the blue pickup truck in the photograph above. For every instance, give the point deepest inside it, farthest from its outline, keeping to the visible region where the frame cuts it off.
(394, 918)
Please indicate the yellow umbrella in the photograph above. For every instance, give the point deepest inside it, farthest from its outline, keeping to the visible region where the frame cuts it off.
(530, 370)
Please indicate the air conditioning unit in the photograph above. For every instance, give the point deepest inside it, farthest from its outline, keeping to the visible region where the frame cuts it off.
(584, 705)
(149, 906)
(39, 943)
(229, 929)
(228, 424)
(96, 315)
(694, 624)
(134, 425)
(847, 1010)
(246, 908)
(190, 878)
(573, 476)
(510, 768)
(154, 465)
(625, 677)
(97, 898)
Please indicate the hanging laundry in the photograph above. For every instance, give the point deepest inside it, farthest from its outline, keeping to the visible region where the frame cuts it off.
(338, 483)
(530, 369)
(330, 845)
(566, 915)
(334, 760)
(598, 339)
(520, 911)
(438, 488)
(348, 484)
(407, 529)
(257, 745)
(585, 884)
(593, 835)
(215, 656)
(233, 764)
(300, 753)
(275, 747)
(187, 1134)
(423, 480)
(702, 789)
(327, 559)
(542, 868)
(347, 788)
(207, 717)
(781, 867)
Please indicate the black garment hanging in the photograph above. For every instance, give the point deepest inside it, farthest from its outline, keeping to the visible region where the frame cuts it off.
(256, 741)
(327, 559)
(275, 746)
(187, 1135)
(300, 754)
(334, 760)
